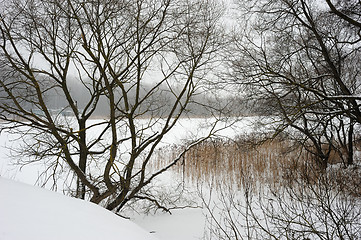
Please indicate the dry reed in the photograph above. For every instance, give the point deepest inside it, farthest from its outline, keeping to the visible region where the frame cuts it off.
(275, 162)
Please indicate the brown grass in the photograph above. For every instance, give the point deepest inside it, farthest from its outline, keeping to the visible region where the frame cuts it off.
(228, 160)
(276, 162)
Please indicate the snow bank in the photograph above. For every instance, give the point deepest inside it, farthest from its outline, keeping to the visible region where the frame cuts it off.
(28, 212)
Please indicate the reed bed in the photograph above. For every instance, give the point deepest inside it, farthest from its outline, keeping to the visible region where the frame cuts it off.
(248, 158)
(232, 160)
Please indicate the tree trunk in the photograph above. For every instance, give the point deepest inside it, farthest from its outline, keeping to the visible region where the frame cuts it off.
(82, 157)
(350, 145)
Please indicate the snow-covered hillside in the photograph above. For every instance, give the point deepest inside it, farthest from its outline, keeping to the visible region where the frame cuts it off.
(31, 213)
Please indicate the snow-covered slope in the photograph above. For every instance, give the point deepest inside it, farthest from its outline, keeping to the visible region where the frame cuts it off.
(32, 213)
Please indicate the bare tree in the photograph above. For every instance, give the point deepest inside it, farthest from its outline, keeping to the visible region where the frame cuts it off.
(300, 59)
(127, 53)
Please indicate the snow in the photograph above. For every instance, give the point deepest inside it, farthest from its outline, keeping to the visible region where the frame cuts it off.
(182, 224)
(28, 212)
